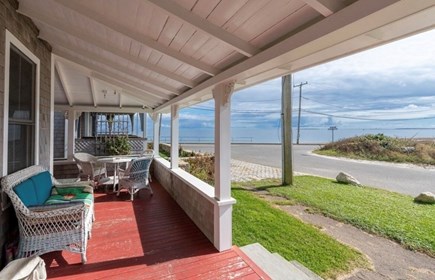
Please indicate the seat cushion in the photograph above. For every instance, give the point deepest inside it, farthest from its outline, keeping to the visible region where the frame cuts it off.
(43, 185)
(26, 192)
(70, 194)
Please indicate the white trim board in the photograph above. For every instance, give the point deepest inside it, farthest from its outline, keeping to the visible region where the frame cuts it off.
(11, 39)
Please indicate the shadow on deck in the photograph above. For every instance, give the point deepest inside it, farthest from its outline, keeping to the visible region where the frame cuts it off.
(149, 238)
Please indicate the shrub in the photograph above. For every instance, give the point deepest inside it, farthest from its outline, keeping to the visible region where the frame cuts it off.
(202, 167)
(382, 147)
(118, 145)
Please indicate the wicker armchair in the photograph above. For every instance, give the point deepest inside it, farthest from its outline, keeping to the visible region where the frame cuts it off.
(89, 166)
(136, 177)
(46, 228)
(148, 153)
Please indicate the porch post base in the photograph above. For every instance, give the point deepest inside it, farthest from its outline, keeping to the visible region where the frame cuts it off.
(223, 224)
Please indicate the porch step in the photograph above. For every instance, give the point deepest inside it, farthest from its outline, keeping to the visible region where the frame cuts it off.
(275, 266)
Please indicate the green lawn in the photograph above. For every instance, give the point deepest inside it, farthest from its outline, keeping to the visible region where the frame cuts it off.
(389, 214)
(255, 220)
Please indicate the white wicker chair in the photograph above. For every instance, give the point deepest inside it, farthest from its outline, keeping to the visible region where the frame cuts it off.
(89, 166)
(50, 227)
(148, 153)
(136, 177)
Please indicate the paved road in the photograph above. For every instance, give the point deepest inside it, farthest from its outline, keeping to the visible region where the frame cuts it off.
(403, 178)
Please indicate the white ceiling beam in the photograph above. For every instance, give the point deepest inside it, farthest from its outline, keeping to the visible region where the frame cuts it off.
(92, 84)
(116, 66)
(132, 92)
(350, 21)
(150, 91)
(100, 43)
(126, 90)
(126, 83)
(325, 7)
(135, 93)
(205, 26)
(138, 37)
(120, 99)
(103, 109)
(63, 82)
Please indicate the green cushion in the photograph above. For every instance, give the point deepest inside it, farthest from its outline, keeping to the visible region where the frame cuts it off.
(43, 185)
(73, 194)
(26, 192)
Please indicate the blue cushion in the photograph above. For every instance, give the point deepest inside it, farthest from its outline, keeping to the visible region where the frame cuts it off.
(43, 186)
(26, 192)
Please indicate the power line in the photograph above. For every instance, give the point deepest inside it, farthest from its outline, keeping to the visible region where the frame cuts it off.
(365, 119)
(306, 98)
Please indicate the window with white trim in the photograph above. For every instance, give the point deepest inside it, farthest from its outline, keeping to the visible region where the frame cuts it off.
(20, 108)
(21, 113)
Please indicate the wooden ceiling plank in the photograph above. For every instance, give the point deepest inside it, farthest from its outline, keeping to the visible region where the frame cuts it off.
(63, 83)
(136, 36)
(325, 7)
(92, 40)
(104, 109)
(205, 26)
(118, 67)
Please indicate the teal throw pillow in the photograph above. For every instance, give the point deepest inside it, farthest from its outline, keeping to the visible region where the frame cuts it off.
(26, 192)
(43, 186)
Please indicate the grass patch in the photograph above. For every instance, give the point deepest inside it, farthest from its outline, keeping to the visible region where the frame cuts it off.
(383, 148)
(385, 213)
(255, 220)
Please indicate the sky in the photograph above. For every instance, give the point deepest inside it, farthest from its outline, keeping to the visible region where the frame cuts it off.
(389, 89)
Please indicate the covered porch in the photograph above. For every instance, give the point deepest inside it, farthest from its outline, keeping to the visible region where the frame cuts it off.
(154, 57)
(149, 238)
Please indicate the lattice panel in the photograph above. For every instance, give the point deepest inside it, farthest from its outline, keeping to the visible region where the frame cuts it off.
(94, 147)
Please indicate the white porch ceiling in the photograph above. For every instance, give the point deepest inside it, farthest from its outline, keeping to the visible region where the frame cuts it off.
(156, 53)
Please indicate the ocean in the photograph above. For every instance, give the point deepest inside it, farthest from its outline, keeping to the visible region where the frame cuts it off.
(273, 134)
(307, 136)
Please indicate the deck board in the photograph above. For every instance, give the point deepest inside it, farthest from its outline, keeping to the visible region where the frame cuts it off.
(149, 238)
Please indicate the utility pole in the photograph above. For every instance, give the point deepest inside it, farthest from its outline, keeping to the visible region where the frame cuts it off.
(332, 128)
(299, 114)
(286, 115)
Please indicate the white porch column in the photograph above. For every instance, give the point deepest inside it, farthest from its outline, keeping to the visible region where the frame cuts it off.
(71, 133)
(156, 135)
(224, 202)
(143, 118)
(52, 77)
(175, 133)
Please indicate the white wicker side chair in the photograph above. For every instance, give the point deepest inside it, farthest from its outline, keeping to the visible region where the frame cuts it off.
(89, 166)
(47, 228)
(136, 177)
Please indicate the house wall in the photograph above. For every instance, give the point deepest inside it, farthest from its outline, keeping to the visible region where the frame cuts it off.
(198, 205)
(25, 31)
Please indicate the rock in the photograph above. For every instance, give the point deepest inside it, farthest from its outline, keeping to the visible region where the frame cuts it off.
(343, 177)
(425, 197)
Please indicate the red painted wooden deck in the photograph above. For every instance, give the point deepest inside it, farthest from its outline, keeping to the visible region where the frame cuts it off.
(149, 238)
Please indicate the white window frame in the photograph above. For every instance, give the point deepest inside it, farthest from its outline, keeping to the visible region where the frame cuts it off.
(11, 39)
